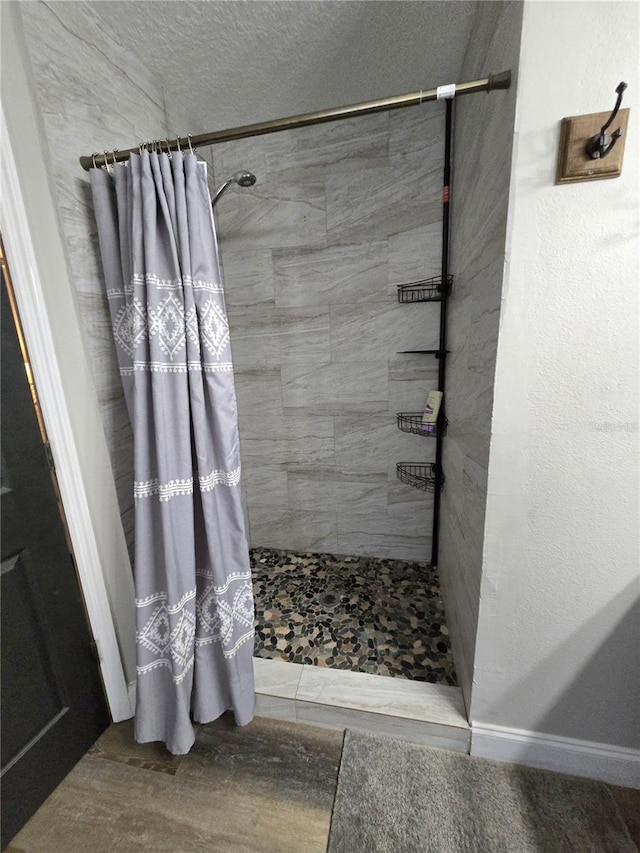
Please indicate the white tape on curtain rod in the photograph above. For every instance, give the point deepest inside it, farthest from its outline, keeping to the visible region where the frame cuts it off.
(446, 92)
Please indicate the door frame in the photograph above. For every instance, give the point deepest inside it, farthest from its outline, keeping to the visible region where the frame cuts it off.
(28, 291)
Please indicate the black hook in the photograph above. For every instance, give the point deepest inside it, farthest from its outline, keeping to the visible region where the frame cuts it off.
(598, 147)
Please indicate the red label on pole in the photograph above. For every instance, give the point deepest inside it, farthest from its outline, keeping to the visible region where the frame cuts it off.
(445, 195)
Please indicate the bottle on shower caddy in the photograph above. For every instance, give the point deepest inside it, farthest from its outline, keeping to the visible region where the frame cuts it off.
(431, 411)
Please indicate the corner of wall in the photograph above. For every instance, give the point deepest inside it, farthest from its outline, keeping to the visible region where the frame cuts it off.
(480, 197)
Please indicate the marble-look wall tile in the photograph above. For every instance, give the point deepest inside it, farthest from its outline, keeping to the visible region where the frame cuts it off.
(316, 327)
(93, 95)
(117, 428)
(76, 207)
(379, 329)
(247, 276)
(417, 133)
(374, 204)
(258, 390)
(293, 437)
(229, 158)
(335, 275)
(329, 148)
(295, 530)
(274, 336)
(374, 443)
(470, 432)
(412, 367)
(323, 489)
(410, 395)
(463, 586)
(274, 215)
(464, 496)
(414, 500)
(265, 483)
(94, 310)
(396, 533)
(414, 255)
(483, 144)
(358, 387)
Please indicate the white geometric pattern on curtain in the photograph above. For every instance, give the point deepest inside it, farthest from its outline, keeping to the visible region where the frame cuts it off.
(194, 598)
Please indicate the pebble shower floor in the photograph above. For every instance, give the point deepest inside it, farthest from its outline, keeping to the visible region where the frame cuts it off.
(384, 617)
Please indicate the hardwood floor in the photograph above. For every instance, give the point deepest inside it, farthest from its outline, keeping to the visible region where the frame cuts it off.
(628, 800)
(265, 788)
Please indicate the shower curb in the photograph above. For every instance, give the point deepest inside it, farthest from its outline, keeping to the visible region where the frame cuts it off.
(431, 714)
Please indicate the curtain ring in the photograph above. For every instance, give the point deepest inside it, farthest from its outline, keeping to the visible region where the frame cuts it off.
(93, 160)
(168, 147)
(107, 164)
(114, 152)
(190, 145)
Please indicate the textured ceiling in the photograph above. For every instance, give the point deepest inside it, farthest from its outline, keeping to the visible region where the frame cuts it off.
(230, 62)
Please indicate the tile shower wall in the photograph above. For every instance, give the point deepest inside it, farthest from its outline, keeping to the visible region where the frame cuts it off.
(93, 96)
(312, 254)
(483, 143)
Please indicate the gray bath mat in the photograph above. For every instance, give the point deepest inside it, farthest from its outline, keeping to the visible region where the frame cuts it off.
(396, 797)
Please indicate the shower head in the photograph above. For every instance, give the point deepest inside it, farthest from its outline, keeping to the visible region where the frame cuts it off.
(242, 179)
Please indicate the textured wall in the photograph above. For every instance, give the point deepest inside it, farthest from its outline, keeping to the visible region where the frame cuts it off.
(93, 96)
(559, 630)
(483, 143)
(228, 64)
(340, 214)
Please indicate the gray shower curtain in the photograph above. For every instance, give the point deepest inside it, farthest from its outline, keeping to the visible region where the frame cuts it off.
(194, 601)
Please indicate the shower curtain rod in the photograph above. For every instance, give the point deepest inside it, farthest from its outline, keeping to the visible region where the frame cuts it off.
(484, 84)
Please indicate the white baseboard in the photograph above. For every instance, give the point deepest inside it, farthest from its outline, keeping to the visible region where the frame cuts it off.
(616, 765)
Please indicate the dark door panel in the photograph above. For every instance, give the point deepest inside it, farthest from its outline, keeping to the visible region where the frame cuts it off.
(53, 704)
(32, 686)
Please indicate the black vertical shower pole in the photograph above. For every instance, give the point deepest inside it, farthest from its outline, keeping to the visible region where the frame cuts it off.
(442, 354)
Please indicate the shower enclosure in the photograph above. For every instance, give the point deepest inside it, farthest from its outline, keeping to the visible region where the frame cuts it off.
(341, 213)
(325, 357)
